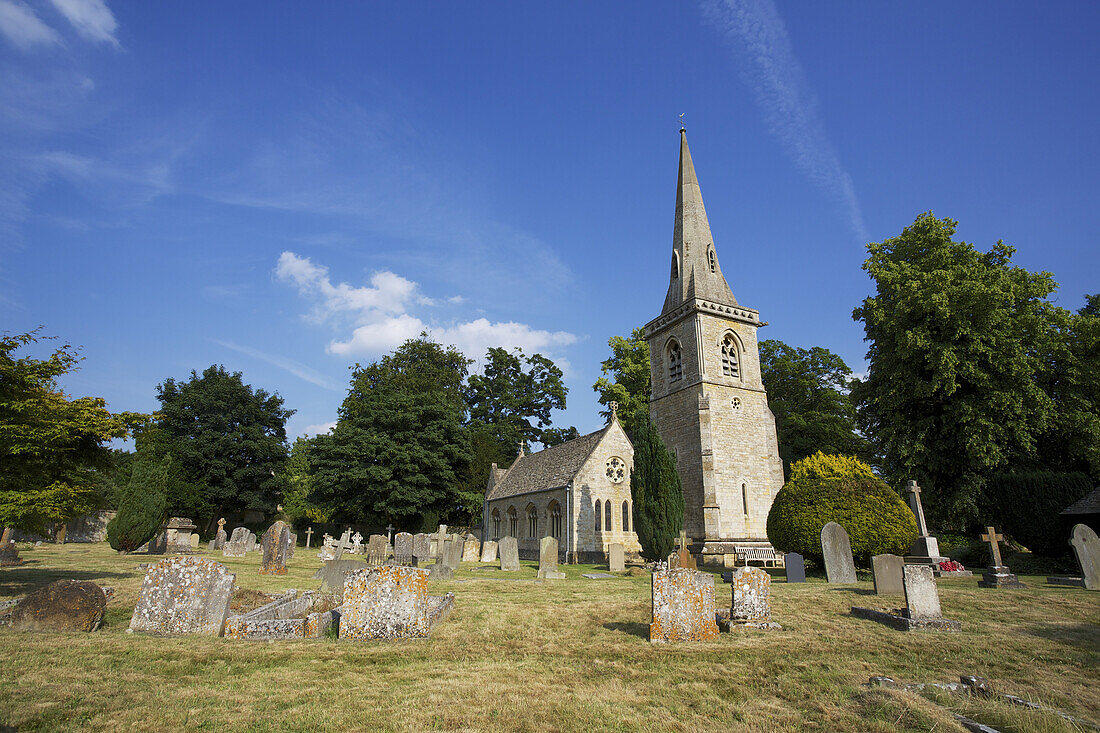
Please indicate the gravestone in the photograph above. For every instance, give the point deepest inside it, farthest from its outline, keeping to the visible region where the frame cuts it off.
(422, 547)
(998, 574)
(378, 549)
(1087, 548)
(887, 574)
(220, 539)
(357, 544)
(922, 598)
(837, 551)
(796, 567)
(926, 548)
(471, 550)
(177, 535)
(438, 540)
(452, 552)
(250, 542)
(403, 549)
(240, 534)
(683, 606)
(63, 605)
(290, 545)
(184, 595)
(9, 554)
(548, 559)
(751, 603)
(335, 572)
(194, 541)
(616, 562)
(275, 542)
(388, 602)
(343, 545)
(238, 543)
(509, 553)
(488, 551)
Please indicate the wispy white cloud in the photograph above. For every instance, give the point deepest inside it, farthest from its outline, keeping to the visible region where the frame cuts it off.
(319, 429)
(92, 19)
(296, 368)
(22, 27)
(758, 36)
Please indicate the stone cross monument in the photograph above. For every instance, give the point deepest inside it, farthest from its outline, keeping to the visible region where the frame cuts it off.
(998, 575)
(926, 549)
(309, 535)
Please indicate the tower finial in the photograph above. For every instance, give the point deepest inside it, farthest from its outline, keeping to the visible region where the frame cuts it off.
(614, 410)
(682, 127)
(522, 446)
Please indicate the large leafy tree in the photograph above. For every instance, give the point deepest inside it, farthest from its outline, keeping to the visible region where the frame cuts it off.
(655, 488)
(808, 393)
(299, 483)
(400, 444)
(956, 337)
(53, 449)
(628, 369)
(229, 438)
(514, 395)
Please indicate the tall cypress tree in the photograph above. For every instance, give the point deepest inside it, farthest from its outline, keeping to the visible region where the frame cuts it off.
(656, 490)
(142, 504)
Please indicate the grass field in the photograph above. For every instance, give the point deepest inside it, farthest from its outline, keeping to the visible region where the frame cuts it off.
(522, 654)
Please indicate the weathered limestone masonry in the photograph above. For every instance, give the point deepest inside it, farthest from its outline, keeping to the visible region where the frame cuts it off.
(708, 402)
(184, 595)
(286, 617)
(276, 541)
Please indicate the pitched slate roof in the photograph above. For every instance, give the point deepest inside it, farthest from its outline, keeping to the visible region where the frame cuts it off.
(1089, 505)
(551, 468)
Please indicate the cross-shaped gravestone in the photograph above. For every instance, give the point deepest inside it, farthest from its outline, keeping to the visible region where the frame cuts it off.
(357, 541)
(309, 535)
(993, 538)
(389, 534)
(915, 505)
(221, 524)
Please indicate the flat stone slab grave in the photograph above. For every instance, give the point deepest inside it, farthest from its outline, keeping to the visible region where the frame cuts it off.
(683, 606)
(922, 605)
(597, 576)
(390, 602)
(286, 617)
(184, 595)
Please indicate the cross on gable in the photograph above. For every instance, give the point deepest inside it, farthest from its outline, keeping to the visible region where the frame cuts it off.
(993, 538)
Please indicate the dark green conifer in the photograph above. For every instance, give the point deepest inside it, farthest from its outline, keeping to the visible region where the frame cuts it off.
(142, 504)
(656, 490)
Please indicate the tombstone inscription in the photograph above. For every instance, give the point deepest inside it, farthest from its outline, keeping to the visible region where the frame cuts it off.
(836, 548)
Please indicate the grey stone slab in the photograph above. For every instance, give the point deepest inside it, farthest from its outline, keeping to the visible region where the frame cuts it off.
(840, 567)
(597, 576)
(751, 599)
(1086, 546)
(922, 598)
(887, 571)
(509, 554)
(488, 551)
(440, 571)
(184, 595)
(422, 547)
(548, 559)
(471, 550)
(452, 552)
(403, 549)
(275, 543)
(795, 565)
(335, 572)
(616, 561)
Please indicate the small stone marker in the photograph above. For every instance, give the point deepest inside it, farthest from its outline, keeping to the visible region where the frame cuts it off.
(422, 547)
(63, 605)
(471, 550)
(837, 550)
(275, 542)
(887, 574)
(378, 549)
(751, 604)
(616, 562)
(335, 572)
(387, 602)
(1086, 546)
(684, 559)
(488, 551)
(548, 559)
(9, 553)
(184, 595)
(220, 539)
(509, 553)
(795, 565)
(403, 549)
(193, 541)
(922, 598)
(998, 574)
(357, 544)
(683, 606)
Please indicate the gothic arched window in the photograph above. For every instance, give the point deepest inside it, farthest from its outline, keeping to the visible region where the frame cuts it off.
(607, 515)
(532, 523)
(675, 362)
(598, 515)
(730, 365)
(626, 516)
(555, 520)
(675, 266)
(513, 522)
(712, 260)
(496, 523)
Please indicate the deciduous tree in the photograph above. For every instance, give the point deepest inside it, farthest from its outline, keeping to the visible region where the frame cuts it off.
(628, 367)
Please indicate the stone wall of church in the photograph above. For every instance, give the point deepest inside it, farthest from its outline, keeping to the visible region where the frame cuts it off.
(592, 485)
(542, 502)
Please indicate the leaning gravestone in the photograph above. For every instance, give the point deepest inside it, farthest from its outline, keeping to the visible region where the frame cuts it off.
(422, 547)
(63, 605)
(751, 602)
(548, 559)
(275, 542)
(335, 572)
(1087, 548)
(471, 550)
(184, 595)
(837, 550)
(616, 562)
(683, 606)
(509, 553)
(488, 551)
(887, 574)
(390, 602)
(795, 565)
(403, 549)
(922, 598)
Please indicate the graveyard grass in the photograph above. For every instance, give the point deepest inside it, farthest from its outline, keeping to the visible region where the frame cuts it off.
(570, 655)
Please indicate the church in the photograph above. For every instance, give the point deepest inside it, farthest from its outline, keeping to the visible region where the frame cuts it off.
(708, 404)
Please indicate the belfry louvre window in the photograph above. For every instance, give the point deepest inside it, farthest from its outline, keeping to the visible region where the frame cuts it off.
(730, 366)
(675, 362)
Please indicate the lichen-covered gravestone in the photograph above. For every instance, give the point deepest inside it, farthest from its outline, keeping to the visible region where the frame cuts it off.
(1087, 548)
(887, 571)
(471, 550)
(377, 549)
(683, 606)
(489, 551)
(795, 566)
(616, 561)
(184, 595)
(275, 542)
(403, 549)
(751, 603)
(422, 547)
(290, 545)
(64, 605)
(837, 550)
(509, 553)
(388, 602)
(548, 559)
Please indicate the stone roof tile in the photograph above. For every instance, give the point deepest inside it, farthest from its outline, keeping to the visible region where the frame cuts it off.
(1088, 505)
(550, 468)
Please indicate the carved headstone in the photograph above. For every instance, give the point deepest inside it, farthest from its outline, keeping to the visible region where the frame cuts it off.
(274, 544)
(509, 553)
(422, 547)
(488, 551)
(335, 572)
(386, 602)
(616, 561)
(184, 595)
(220, 539)
(471, 550)
(290, 545)
(887, 571)
(548, 559)
(796, 567)
(403, 549)
(751, 596)
(1087, 548)
(683, 606)
(840, 567)
(452, 552)
(922, 598)
(378, 549)
(238, 543)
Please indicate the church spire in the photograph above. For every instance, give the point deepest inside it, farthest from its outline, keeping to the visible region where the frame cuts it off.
(695, 272)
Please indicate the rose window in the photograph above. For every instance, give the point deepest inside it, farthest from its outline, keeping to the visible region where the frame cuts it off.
(616, 470)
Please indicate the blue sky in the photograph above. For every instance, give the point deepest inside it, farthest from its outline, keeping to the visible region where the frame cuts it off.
(290, 188)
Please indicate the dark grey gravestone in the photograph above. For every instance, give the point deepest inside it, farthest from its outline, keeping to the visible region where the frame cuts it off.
(335, 572)
(922, 598)
(837, 550)
(422, 547)
(509, 553)
(1087, 548)
(887, 571)
(796, 567)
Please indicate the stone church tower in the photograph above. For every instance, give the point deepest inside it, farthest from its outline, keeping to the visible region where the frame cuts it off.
(708, 402)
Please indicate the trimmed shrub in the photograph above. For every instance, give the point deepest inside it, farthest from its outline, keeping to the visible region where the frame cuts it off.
(1028, 504)
(824, 489)
(142, 505)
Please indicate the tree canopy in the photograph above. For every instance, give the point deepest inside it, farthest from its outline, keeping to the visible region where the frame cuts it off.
(514, 394)
(628, 367)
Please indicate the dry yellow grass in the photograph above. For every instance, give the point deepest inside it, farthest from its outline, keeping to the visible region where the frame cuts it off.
(520, 654)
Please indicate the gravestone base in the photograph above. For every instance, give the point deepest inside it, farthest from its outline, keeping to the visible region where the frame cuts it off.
(726, 624)
(552, 575)
(1062, 580)
(999, 577)
(439, 571)
(899, 619)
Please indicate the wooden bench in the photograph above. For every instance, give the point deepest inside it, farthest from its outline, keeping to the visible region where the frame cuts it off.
(767, 557)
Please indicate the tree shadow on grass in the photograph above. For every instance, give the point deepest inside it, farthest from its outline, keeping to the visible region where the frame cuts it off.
(856, 591)
(629, 627)
(21, 580)
(1083, 636)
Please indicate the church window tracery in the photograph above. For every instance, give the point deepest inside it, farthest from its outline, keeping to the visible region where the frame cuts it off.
(513, 522)
(675, 362)
(626, 516)
(496, 523)
(532, 523)
(731, 366)
(616, 469)
(607, 515)
(555, 520)
(599, 516)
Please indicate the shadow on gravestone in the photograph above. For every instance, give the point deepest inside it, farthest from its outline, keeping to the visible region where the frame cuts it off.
(1086, 546)
(840, 567)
